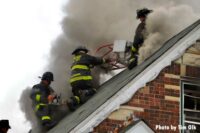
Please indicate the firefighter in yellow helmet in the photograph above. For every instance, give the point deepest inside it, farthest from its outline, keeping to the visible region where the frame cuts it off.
(139, 36)
(81, 78)
(41, 94)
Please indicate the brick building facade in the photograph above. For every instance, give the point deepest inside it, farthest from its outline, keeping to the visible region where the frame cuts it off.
(158, 103)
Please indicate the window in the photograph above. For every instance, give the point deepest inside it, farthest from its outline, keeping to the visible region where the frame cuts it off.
(190, 106)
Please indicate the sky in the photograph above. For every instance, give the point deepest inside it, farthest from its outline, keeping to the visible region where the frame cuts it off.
(27, 28)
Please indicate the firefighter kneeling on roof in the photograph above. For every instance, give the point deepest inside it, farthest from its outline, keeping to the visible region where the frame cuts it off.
(41, 95)
(81, 78)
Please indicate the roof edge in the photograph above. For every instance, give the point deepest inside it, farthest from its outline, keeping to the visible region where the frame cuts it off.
(139, 81)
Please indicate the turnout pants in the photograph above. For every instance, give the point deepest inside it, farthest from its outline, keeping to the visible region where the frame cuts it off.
(43, 113)
(82, 90)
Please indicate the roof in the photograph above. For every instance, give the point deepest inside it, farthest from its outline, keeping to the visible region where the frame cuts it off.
(122, 87)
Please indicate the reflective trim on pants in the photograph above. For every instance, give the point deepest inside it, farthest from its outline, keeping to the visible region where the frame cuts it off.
(133, 49)
(37, 107)
(77, 99)
(131, 60)
(46, 118)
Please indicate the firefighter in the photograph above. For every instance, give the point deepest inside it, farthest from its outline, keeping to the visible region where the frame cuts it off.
(81, 78)
(4, 126)
(139, 36)
(41, 95)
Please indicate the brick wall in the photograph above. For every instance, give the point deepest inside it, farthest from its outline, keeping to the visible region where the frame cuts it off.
(157, 103)
(109, 125)
(192, 71)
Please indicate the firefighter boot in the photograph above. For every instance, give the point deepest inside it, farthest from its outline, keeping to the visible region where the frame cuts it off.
(91, 92)
(48, 125)
(133, 62)
(73, 103)
(86, 94)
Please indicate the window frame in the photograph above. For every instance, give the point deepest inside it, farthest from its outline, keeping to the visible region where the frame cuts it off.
(189, 81)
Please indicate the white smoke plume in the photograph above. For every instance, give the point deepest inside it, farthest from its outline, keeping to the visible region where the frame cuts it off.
(95, 22)
(26, 106)
(163, 24)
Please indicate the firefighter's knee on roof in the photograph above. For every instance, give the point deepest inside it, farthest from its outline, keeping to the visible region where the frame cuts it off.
(81, 78)
(133, 60)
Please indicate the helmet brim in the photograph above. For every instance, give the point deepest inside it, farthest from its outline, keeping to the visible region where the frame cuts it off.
(143, 13)
(78, 50)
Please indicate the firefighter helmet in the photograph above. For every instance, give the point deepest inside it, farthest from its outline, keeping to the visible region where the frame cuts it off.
(4, 124)
(80, 48)
(48, 76)
(143, 12)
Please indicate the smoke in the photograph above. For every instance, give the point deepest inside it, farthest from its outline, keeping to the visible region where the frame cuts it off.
(95, 22)
(163, 24)
(58, 112)
(88, 25)
(26, 107)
